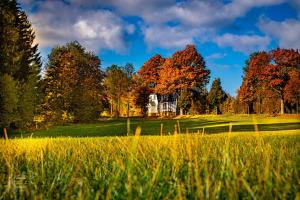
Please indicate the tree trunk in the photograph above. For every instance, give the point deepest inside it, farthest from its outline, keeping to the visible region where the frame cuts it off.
(127, 109)
(5, 135)
(181, 111)
(281, 106)
(111, 108)
(297, 107)
(118, 109)
(248, 109)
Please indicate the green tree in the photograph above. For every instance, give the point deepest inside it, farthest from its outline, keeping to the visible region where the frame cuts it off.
(20, 60)
(216, 96)
(8, 100)
(140, 93)
(118, 83)
(73, 84)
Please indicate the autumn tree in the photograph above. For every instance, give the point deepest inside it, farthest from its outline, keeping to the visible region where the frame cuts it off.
(183, 72)
(292, 88)
(149, 73)
(278, 73)
(269, 77)
(73, 84)
(19, 66)
(252, 87)
(228, 106)
(216, 96)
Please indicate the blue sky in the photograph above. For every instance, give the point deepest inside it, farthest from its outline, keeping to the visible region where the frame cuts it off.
(131, 31)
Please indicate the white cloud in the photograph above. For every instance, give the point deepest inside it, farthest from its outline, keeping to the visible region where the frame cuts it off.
(168, 37)
(88, 22)
(243, 43)
(96, 30)
(194, 19)
(286, 32)
(215, 56)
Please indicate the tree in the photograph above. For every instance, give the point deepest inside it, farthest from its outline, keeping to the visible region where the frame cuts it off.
(73, 84)
(292, 89)
(228, 106)
(185, 71)
(277, 75)
(252, 87)
(8, 100)
(149, 73)
(19, 63)
(269, 78)
(216, 95)
(129, 71)
(118, 83)
(140, 94)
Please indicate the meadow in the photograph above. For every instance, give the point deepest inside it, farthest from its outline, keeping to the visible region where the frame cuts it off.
(207, 124)
(262, 162)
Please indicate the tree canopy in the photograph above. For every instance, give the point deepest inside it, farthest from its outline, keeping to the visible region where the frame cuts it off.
(73, 84)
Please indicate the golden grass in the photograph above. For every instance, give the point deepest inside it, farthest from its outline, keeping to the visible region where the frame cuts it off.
(260, 165)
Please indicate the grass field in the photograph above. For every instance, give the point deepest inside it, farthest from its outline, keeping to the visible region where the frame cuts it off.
(262, 162)
(204, 123)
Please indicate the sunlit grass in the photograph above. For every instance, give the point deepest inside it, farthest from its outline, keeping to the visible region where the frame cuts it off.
(251, 165)
(199, 123)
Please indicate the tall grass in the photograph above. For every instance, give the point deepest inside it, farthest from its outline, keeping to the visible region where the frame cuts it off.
(193, 166)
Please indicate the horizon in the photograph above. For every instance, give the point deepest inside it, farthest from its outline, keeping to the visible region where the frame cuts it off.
(121, 32)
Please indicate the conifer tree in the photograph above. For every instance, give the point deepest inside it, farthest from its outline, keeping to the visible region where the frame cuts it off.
(19, 65)
(216, 95)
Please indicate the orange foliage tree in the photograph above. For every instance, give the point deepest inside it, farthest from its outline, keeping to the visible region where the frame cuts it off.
(271, 75)
(251, 89)
(149, 72)
(185, 72)
(278, 74)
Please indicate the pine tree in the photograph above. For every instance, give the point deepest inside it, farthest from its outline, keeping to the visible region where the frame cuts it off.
(20, 61)
(216, 95)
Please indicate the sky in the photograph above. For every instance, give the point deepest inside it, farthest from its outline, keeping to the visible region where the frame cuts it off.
(225, 32)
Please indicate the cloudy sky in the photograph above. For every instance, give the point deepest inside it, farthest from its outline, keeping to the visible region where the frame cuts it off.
(120, 31)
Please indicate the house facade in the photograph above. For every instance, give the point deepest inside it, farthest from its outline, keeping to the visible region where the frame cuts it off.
(162, 105)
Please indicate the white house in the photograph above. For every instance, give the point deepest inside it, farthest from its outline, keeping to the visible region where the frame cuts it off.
(162, 105)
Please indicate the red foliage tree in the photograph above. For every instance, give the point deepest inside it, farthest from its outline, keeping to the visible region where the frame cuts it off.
(185, 70)
(252, 87)
(278, 74)
(149, 72)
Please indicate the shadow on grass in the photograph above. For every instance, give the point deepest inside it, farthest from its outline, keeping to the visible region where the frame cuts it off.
(151, 127)
(251, 128)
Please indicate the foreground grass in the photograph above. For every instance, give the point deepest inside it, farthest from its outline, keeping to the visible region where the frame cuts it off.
(253, 165)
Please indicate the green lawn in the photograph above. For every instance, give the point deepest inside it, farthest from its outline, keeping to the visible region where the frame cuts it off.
(191, 124)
